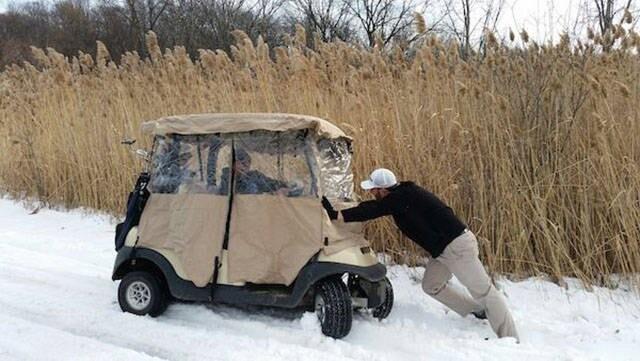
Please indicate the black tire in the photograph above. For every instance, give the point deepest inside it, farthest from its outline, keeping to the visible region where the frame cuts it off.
(334, 312)
(381, 312)
(147, 289)
(165, 300)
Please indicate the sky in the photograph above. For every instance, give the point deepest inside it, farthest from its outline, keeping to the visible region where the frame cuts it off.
(543, 19)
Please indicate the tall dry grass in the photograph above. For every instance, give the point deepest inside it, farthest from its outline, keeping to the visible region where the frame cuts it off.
(536, 146)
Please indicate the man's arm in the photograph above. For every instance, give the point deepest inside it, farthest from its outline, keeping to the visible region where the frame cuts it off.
(364, 211)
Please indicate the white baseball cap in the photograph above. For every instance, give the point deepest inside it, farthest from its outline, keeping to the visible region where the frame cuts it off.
(380, 178)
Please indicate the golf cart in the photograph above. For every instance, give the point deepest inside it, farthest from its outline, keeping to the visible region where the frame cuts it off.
(229, 211)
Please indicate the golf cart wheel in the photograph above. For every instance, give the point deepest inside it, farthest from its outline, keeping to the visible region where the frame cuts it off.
(381, 312)
(333, 307)
(142, 293)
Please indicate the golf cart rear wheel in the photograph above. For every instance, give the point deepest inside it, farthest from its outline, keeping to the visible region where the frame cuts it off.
(142, 293)
(333, 307)
(381, 312)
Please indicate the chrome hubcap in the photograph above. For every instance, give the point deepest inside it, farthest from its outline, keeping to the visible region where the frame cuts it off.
(320, 308)
(138, 295)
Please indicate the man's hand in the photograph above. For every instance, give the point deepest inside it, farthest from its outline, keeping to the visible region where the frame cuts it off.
(333, 214)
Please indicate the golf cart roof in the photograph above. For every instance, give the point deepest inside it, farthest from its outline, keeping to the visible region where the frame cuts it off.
(241, 122)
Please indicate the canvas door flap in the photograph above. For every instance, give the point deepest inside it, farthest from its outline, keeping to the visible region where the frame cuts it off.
(272, 237)
(153, 230)
(342, 235)
(191, 225)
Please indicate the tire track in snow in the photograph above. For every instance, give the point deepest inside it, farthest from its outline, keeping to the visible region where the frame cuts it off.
(77, 347)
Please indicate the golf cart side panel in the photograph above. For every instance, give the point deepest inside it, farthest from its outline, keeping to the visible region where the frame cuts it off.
(276, 216)
(190, 225)
(187, 210)
(181, 289)
(272, 237)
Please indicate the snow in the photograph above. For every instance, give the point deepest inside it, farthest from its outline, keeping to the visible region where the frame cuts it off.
(57, 302)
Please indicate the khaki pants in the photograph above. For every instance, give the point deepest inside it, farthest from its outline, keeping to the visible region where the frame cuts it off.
(461, 259)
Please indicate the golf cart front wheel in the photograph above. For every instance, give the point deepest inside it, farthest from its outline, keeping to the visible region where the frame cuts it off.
(332, 303)
(142, 293)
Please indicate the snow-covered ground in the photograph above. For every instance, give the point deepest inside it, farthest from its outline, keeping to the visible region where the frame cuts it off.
(57, 302)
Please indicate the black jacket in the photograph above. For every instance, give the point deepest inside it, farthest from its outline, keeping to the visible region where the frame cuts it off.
(418, 213)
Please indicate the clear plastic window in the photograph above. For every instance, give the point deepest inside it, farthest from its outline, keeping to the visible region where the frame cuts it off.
(335, 168)
(189, 164)
(272, 163)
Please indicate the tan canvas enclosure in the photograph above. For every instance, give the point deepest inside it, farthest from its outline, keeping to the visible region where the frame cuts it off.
(191, 225)
(341, 235)
(272, 237)
(241, 122)
(271, 169)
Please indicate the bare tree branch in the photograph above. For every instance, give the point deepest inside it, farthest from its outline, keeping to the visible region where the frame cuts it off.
(383, 18)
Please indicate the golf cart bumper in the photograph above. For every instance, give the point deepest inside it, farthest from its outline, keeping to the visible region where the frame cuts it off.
(318, 270)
